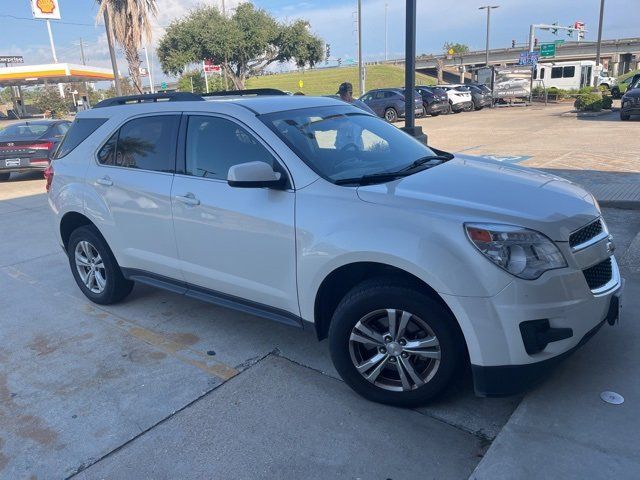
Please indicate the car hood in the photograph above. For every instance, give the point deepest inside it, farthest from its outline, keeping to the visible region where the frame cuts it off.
(479, 190)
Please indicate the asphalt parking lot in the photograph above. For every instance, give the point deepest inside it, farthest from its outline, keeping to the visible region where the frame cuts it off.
(163, 386)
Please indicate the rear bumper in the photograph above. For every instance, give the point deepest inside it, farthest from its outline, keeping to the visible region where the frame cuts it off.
(29, 168)
(438, 107)
(457, 107)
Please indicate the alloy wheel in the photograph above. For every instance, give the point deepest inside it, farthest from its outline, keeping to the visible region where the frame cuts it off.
(90, 267)
(395, 350)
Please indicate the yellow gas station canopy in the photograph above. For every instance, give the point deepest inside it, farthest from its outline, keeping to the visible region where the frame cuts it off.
(52, 73)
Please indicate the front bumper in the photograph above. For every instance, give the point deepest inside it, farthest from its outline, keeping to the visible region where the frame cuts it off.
(630, 109)
(501, 356)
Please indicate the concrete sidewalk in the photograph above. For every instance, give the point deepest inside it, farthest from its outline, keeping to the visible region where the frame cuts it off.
(611, 189)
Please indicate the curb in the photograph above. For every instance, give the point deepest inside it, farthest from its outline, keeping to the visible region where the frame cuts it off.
(574, 113)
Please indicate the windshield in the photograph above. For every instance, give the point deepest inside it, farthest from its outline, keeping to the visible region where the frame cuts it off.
(342, 142)
(24, 130)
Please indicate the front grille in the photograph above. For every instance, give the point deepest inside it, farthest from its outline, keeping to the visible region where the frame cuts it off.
(585, 233)
(598, 275)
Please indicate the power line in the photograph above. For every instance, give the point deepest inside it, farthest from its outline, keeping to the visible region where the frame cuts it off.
(77, 24)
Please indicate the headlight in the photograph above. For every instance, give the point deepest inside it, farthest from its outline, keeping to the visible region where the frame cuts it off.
(521, 252)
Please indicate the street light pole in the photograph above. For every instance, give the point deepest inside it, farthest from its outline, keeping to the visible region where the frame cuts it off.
(410, 74)
(360, 65)
(600, 32)
(488, 8)
(386, 30)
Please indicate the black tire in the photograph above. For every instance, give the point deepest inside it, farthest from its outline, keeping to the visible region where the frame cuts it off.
(380, 294)
(624, 117)
(5, 176)
(435, 114)
(391, 115)
(116, 286)
(615, 92)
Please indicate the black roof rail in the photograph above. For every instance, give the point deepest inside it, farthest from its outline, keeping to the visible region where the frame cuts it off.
(247, 92)
(150, 98)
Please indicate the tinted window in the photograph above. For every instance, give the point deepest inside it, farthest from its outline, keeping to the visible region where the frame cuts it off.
(80, 129)
(214, 145)
(61, 129)
(147, 143)
(23, 130)
(556, 72)
(542, 73)
(568, 72)
(107, 154)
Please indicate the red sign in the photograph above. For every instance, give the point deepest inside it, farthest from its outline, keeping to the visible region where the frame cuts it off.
(210, 67)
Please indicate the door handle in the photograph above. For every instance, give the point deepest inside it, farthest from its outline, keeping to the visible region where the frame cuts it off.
(188, 199)
(106, 181)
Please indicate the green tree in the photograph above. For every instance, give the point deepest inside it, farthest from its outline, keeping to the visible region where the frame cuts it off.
(48, 99)
(456, 47)
(245, 44)
(185, 82)
(131, 25)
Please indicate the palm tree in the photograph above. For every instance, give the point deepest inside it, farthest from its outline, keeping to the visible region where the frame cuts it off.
(130, 22)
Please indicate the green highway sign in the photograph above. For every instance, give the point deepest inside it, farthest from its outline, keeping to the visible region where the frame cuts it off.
(548, 50)
(558, 42)
(163, 86)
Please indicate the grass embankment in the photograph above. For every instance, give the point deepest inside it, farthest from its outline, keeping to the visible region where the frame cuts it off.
(325, 81)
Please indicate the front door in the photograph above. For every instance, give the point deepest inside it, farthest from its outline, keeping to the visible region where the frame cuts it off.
(132, 178)
(234, 241)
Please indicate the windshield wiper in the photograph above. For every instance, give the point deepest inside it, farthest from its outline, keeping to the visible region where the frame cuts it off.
(372, 178)
(424, 160)
(388, 176)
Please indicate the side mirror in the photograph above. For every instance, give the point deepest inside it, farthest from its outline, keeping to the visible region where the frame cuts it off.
(255, 175)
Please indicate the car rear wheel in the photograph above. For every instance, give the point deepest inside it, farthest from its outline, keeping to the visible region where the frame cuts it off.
(394, 344)
(615, 92)
(5, 176)
(624, 116)
(94, 267)
(390, 115)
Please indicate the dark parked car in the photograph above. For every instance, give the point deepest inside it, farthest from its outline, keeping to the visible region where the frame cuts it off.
(388, 103)
(28, 145)
(630, 103)
(434, 100)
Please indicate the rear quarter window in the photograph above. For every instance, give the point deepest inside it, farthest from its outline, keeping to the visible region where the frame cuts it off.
(79, 131)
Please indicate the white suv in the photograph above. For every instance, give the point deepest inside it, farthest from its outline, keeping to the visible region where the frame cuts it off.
(311, 212)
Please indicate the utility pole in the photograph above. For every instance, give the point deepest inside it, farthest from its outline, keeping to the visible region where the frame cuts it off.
(112, 53)
(386, 29)
(599, 32)
(84, 62)
(488, 8)
(410, 74)
(224, 67)
(360, 65)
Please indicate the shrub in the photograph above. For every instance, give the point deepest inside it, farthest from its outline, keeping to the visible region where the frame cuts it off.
(590, 102)
(48, 99)
(607, 101)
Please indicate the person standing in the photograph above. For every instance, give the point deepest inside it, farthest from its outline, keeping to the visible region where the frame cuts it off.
(346, 95)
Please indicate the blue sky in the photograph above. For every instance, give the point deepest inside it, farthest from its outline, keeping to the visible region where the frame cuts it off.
(333, 20)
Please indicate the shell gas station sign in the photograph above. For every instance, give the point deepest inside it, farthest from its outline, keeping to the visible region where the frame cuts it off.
(45, 9)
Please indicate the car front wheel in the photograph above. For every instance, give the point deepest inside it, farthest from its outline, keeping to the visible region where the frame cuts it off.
(94, 267)
(394, 344)
(391, 115)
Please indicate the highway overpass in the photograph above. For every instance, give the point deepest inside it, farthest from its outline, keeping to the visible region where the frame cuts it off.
(619, 56)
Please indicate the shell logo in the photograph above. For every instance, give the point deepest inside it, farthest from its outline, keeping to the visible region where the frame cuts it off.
(46, 6)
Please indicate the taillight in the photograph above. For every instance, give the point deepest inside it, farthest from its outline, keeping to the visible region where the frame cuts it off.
(48, 176)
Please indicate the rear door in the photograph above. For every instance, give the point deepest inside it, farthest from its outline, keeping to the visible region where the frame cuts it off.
(238, 242)
(132, 176)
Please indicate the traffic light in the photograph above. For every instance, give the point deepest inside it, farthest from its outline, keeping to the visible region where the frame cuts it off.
(327, 52)
(554, 30)
(535, 42)
(339, 62)
(513, 44)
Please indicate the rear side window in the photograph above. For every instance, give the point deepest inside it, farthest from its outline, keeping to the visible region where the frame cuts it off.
(147, 143)
(556, 72)
(569, 72)
(80, 129)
